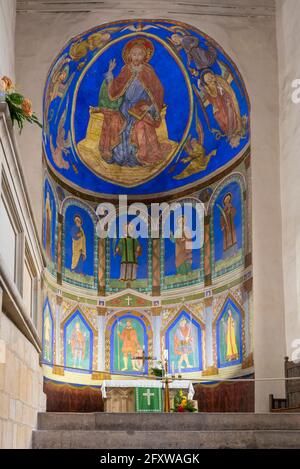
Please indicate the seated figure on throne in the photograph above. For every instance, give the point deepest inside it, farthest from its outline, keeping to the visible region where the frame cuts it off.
(131, 104)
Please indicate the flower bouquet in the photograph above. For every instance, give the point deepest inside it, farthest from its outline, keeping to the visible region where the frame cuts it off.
(20, 108)
(182, 404)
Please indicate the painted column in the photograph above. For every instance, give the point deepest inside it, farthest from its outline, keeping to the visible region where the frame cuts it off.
(210, 368)
(101, 338)
(59, 247)
(247, 293)
(156, 267)
(57, 330)
(248, 212)
(207, 251)
(101, 266)
(156, 326)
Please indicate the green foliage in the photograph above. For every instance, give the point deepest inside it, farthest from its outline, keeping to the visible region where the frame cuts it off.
(182, 403)
(14, 101)
(157, 370)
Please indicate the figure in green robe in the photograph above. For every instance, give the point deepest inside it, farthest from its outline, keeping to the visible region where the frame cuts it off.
(129, 249)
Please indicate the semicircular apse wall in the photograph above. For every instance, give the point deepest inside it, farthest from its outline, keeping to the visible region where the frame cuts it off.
(157, 111)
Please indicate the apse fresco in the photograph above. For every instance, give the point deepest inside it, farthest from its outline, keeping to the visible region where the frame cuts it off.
(128, 341)
(229, 335)
(181, 261)
(156, 111)
(228, 229)
(184, 342)
(78, 343)
(129, 256)
(47, 334)
(49, 225)
(79, 247)
(147, 106)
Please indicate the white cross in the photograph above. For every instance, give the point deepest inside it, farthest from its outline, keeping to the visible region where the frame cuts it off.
(148, 394)
(128, 300)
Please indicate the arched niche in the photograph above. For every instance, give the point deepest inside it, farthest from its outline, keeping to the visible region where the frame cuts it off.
(50, 225)
(47, 334)
(128, 334)
(181, 266)
(228, 225)
(129, 263)
(79, 241)
(229, 334)
(78, 342)
(184, 340)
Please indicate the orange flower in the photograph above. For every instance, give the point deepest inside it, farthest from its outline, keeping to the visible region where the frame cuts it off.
(27, 107)
(6, 84)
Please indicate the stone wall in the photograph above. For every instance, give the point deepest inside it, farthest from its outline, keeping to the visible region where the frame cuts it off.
(7, 37)
(288, 39)
(21, 393)
(21, 383)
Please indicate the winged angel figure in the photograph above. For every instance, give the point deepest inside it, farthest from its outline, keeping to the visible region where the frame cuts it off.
(61, 147)
(196, 158)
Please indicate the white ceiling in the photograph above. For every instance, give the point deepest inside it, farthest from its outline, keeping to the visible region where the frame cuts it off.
(198, 7)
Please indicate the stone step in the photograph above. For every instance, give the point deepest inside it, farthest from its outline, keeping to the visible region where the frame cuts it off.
(185, 422)
(99, 439)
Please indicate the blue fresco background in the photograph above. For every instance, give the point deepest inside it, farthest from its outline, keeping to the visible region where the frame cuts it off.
(221, 334)
(175, 97)
(88, 228)
(236, 201)
(169, 259)
(115, 260)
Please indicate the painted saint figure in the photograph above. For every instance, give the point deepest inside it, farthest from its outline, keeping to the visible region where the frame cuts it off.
(231, 346)
(131, 104)
(183, 343)
(183, 247)
(228, 213)
(130, 346)
(129, 249)
(78, 246)
(77, 342)
(202, 58)
(225, 106)
(48, 227)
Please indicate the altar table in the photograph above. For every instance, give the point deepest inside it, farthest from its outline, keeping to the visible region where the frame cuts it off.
(118, 395)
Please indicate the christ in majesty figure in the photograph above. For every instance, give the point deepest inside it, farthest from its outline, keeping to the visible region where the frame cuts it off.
(131, 103)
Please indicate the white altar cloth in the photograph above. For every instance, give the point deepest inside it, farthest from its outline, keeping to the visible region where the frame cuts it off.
(147, 383)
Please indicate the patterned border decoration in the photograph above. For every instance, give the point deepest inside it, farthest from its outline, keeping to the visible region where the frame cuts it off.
(51, 265)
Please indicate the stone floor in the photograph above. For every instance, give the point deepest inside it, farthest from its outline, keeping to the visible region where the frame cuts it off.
(171, 431)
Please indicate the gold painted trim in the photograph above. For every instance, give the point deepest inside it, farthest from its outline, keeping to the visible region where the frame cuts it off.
(190, 92)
